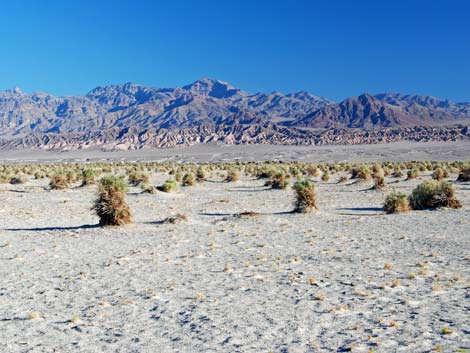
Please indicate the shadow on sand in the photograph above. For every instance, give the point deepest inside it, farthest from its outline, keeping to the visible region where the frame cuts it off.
(39, 229)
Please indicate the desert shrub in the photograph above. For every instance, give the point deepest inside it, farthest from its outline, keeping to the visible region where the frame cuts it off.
(464, 174)
(379, 182)
(59, 182)
(397, 172)
(111, 206)
(326, 176)
(440, 173)
(39, 175)
(178, 218)
(312, 170)
(232, 175)
(189, 179)
(137, 178)
(306, 197)
(396, 202)
(148, 189)
(294, 171)
(178, 176)
(19, 179)
(201, 174)
(280, 180)
(71, 176)
(88, 177)
(169, 185)
(362, 172)
(433, 194)
(265, 172)
(342, 179)
(413, 173)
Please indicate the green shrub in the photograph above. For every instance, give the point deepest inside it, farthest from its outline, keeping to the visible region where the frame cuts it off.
(326, 176)
(396, 202)
(111, 206)
(306, 197)
(88, 177)
(189, 179)
(362, 172)
(280, 180)
(464, 174)
(413, 173)
(433, 194)
(149, 189)
(169, 185)
(137, 178)
(440, 174)
(200, 174)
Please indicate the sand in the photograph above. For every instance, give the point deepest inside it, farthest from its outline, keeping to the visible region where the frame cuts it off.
(400, 151)
(347, 278)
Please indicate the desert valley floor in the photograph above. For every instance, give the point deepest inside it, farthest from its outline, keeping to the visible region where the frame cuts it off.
(346, 278)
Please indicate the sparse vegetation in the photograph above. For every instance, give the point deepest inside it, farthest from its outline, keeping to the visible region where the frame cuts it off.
(396, 202)
(464, 174)
(189, 179)
(306, 197)
(59, 182)
(169, 186)
(433, 194)
(88, 177)
(111, 206)
(232, 176)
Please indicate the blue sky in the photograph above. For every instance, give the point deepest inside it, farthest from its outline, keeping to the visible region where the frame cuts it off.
(331, 48)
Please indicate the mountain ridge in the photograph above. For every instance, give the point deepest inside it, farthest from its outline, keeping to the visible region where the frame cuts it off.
(213, 105)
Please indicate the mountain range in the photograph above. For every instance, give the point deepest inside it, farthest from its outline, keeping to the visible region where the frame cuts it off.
(133, 116)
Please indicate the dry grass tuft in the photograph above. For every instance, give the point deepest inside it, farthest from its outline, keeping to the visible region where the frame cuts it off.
(111, 206)
(396, 202)
(306, 197)
(433, 194)
(178, 218)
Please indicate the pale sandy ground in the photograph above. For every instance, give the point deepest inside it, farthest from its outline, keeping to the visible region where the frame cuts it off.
(400, 151)
(218, 283)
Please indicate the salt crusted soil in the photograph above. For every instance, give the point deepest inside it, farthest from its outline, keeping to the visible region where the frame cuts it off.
(347, 278)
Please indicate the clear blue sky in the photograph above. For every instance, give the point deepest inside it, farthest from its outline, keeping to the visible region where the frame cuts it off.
(331, 48)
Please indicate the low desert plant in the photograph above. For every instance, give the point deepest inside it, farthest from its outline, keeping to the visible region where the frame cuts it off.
(189, 179)
(88, 177)
(361, 173)
(148, 189)
(169, 185)
(306, 197)
(39, 175)
(464, 174)
(179, 176)
(326, 176)
(19, 179)
(440, 174)
(178, 218)
(232, 175)
(280, 180)
(201, 174)
(396, 202)
(413, 173)
(111, 206)
(433, 194)
(59, 182)
(397, 172)
(137, 178)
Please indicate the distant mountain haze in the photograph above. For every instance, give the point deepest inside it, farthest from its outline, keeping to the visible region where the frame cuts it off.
(207, 111)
